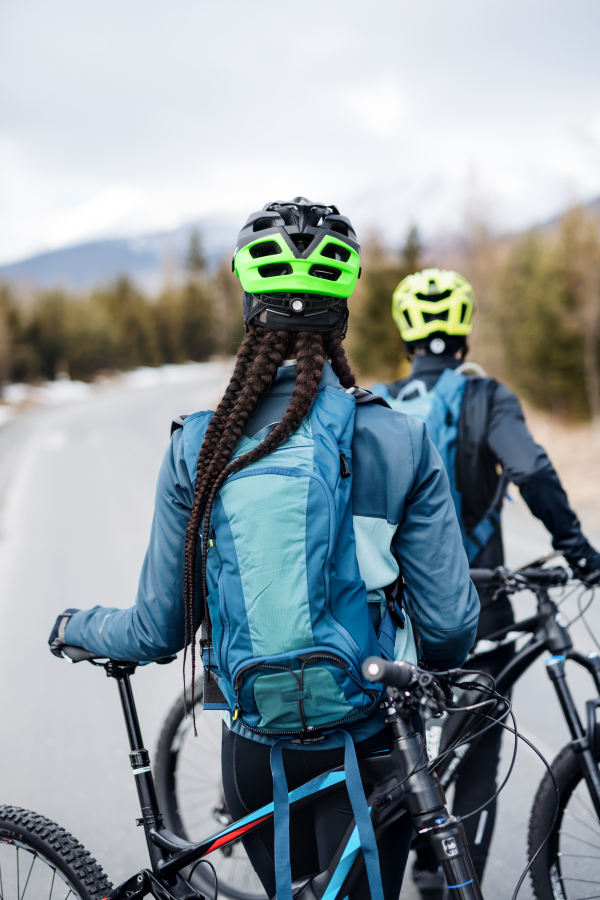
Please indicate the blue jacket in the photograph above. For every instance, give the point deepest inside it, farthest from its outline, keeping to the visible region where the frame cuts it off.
(402, 509)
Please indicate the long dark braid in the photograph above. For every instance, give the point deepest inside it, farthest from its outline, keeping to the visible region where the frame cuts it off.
(267, 354)
(339, 362)
(214, 432)
(269, 348)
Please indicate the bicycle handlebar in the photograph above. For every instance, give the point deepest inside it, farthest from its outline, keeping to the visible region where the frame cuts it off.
(398, 674)
(483, 576)
(412, 689)
(531, 575)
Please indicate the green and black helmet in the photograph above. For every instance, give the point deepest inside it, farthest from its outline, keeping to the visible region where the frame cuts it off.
(298, 262)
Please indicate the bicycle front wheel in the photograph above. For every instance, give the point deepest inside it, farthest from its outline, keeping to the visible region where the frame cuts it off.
(41, 861)
(187, 773)
(568, 867)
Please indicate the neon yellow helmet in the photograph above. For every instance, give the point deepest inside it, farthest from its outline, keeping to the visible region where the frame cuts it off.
(431, 301)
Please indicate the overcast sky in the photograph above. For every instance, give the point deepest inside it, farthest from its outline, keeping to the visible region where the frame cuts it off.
(127, 116)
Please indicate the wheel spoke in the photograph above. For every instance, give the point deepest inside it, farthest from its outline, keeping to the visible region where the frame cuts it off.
(52, 884)
(28, 877)
(593, 897)
(592, 812)
(578, 855)
(580, 839)
(581, 822)
(574, 878)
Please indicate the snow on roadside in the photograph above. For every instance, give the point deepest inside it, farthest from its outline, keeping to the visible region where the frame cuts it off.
(146, 377)
(17, 397)
(51, 393)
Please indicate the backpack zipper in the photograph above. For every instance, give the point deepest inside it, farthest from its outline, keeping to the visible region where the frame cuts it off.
(238, 710)
(356, 715)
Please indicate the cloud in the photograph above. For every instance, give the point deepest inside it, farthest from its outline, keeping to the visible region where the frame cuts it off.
(128, 118)
(379, 109)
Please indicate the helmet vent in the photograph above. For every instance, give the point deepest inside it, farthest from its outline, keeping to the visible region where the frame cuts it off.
(286, 214)
(464, 312)
(334, 251)
(340, 227)
(266, 248)
(329, 273)
(263, 223)
(302, 241)
(436, 317)
(434, 298)
(407, 318)
(274, 270)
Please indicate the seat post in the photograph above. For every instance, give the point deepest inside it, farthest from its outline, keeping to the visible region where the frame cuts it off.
(121, 673)
(139, 757)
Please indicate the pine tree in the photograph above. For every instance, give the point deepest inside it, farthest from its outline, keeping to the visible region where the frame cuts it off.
(195, 261)
(375, 343)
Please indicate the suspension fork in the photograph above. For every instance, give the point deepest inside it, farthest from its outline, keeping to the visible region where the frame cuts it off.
(423, 797)
(582, 742)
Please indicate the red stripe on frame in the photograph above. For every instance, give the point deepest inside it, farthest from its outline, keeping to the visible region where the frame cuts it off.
(232, 835)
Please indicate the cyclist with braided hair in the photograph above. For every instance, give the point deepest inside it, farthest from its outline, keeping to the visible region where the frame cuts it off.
(282, 520)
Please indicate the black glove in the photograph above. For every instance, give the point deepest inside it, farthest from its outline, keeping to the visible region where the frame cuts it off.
(57, 635)
(587, 568)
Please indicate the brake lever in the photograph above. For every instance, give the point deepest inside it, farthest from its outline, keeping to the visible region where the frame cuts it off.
(424, 695)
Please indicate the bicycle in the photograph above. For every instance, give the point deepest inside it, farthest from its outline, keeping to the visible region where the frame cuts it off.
(563, 867)
(182, 796)
(403, 780)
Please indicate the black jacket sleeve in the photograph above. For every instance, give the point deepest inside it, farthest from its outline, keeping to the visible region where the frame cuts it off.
(528, 466)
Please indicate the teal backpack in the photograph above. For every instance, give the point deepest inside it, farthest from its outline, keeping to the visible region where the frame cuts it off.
(440, 410)
(290, 621)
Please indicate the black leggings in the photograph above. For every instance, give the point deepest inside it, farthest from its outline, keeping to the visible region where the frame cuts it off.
(316, 829)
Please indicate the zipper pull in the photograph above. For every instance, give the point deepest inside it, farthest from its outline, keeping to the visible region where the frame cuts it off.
(211, 535)
(236, 711)
(345, 470)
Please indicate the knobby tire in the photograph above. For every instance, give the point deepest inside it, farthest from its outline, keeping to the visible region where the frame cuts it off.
(30, 842)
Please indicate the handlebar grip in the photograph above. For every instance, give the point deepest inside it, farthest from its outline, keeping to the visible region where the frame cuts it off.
(398, 674)
(78, 654)
(482, 576)
(544, 577)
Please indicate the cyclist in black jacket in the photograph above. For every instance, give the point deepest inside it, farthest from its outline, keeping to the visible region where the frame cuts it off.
(493, 446)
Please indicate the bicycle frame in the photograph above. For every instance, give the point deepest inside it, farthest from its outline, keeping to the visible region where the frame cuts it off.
(402, 783)
(549, 633)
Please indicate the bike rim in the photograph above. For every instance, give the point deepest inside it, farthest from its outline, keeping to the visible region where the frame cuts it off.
(25, 874)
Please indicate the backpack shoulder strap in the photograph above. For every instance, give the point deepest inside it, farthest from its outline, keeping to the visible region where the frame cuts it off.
(362, 396)
(472, 432)
(177, 423)
(477, 402)
(396, 386)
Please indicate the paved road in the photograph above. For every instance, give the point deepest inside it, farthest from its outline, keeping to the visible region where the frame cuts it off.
(76, 495)
(77, 485)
